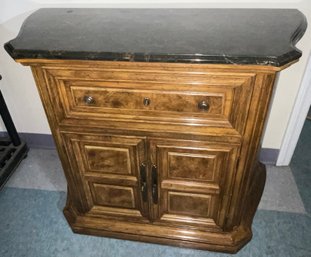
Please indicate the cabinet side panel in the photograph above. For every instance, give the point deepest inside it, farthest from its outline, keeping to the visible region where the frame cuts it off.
(249, 151)
(73, 195)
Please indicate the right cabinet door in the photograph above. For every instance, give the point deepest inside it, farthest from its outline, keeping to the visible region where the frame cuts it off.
(191, 182)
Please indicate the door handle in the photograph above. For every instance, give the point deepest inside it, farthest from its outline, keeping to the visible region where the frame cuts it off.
(143, 182)
(154, 177)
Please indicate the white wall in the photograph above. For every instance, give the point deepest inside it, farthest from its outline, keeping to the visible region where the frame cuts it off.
(22, 98)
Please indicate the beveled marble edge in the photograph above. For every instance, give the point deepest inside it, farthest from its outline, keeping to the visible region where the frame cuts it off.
(276, 61)
(150, 57)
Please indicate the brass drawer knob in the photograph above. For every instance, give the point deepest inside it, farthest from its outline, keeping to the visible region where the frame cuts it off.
(89, 99)
(147, 101)
(203, 105)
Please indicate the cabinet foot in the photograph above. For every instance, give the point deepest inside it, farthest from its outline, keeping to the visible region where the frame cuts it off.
(229, 242)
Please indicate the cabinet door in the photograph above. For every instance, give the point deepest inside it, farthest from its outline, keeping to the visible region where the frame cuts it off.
(109, 173)
(191, 182)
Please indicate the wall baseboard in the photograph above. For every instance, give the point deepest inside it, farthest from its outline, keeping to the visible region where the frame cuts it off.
(269, 155)
(46, 141)
(34, 140)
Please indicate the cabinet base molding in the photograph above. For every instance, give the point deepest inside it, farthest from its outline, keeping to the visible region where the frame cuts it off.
(230, 242)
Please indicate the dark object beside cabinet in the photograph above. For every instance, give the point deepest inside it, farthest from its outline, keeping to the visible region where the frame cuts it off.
(12, 149)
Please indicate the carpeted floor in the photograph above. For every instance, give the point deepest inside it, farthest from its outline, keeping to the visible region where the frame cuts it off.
(32, 223)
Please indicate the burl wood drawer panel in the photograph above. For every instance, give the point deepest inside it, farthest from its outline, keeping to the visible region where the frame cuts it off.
(214, 99)
(106, 98)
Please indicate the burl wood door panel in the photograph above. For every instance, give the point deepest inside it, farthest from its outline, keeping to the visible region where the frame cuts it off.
(193, 180)
(108, 167)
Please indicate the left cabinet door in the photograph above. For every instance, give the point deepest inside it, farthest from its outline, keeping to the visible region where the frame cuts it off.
(109, 173)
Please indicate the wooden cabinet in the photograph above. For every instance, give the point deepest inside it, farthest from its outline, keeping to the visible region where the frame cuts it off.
(159, 152)
(158, 115)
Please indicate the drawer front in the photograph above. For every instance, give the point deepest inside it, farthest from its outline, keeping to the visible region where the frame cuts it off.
(151, 102)
(211, 99)
(193, 181)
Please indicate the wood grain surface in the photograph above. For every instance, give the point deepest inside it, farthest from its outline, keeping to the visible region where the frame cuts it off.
(162, 171)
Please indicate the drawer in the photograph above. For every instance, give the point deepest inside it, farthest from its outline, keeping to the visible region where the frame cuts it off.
(208, 99)
(106, 99)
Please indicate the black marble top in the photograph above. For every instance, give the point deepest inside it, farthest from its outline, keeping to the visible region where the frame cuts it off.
(230, 36)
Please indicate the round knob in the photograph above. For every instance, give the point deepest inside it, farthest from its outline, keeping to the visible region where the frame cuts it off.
(146, 101)
(203, 105)
(89, 100)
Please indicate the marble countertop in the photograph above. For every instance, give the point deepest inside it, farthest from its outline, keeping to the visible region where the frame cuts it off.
(224, 36)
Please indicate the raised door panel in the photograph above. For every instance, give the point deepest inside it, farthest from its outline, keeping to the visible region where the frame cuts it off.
(107, 159)
(108, 167)
(193, 182)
